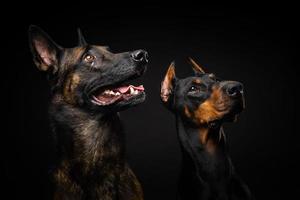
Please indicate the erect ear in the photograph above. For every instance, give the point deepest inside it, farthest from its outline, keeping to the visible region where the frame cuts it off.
(196, 67)
(167, 85)
(45, 51)
(81, 40)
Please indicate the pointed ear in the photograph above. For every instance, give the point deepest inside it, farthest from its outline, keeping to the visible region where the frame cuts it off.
(81, 40)
(45, 51)
(196, 67)
(167, 85)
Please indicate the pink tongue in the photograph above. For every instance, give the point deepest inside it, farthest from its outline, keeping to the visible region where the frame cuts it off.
(125, 89)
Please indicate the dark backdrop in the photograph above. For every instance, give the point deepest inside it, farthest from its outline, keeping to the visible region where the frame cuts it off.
(254, 46)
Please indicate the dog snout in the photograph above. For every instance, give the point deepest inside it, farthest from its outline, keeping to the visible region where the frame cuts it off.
(140, 56)
(233, 88)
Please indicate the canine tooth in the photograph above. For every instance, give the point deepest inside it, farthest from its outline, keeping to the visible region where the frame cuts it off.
(118, 93)
(131, 90)
(135, 92)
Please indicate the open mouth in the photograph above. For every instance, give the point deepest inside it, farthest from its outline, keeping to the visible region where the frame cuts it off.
(112, 95)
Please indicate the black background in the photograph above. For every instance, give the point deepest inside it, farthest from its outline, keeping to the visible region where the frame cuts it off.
(254, 45)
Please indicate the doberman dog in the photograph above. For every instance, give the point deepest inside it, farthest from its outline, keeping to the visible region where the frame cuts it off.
(201, 104)
(89, 86)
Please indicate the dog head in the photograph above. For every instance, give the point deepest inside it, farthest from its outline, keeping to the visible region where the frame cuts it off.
(89, 76)
(202, 99)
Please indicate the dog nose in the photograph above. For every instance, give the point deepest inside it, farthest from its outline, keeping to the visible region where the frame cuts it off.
(234, 88)
(140, 56)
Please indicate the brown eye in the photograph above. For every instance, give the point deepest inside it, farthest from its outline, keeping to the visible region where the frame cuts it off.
(194, 88)
(197, 88)
(89, 58)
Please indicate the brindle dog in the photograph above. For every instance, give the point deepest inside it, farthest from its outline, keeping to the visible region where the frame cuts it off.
(201, 104)
(89, 86)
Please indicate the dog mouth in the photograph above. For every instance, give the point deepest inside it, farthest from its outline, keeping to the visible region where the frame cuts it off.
(237, 107)
(115, 94)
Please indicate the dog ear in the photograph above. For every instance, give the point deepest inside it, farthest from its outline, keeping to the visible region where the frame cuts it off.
(196, 67)
(167, 85)
(81, 40)
(45, 51)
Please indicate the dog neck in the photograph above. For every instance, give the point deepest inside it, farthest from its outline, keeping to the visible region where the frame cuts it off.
(87, 140)
(204, 151)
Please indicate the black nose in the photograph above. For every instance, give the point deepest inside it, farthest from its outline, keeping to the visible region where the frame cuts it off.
(140, 56)
(234, 88)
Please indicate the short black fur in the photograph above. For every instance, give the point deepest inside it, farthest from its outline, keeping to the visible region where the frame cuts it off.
(201, 104)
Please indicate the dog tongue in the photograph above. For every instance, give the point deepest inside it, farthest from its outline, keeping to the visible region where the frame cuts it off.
(124, 89)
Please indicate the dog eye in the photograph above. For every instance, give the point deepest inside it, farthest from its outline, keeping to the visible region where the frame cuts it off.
(194, 88)
(198, 88)
(89, 58)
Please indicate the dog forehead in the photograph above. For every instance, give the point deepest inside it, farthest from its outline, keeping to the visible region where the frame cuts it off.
(75, 52)
(206, 79)
(181, 84)
(72, 55)
(100, 49)
(190, 80)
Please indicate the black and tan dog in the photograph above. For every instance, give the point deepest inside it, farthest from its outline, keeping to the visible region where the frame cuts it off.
(89, 85)
(201, 104)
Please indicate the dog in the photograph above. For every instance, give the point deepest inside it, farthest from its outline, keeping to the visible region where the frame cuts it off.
(89, 86)
(201, 104)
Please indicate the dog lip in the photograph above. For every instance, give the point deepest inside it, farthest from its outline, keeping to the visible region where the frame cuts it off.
(103, 103)
(124, 96)
(124, 89)
(121, 86)
(91, 91)
(113, 94)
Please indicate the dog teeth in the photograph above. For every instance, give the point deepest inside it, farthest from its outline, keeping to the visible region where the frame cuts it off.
(131, 90)
(110, 92)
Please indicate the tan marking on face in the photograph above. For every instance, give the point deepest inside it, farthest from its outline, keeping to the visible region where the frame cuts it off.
(212, 109)
(70, 86)
(197, 81)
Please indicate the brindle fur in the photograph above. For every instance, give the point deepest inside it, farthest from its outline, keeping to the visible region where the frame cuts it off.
(90, 139)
